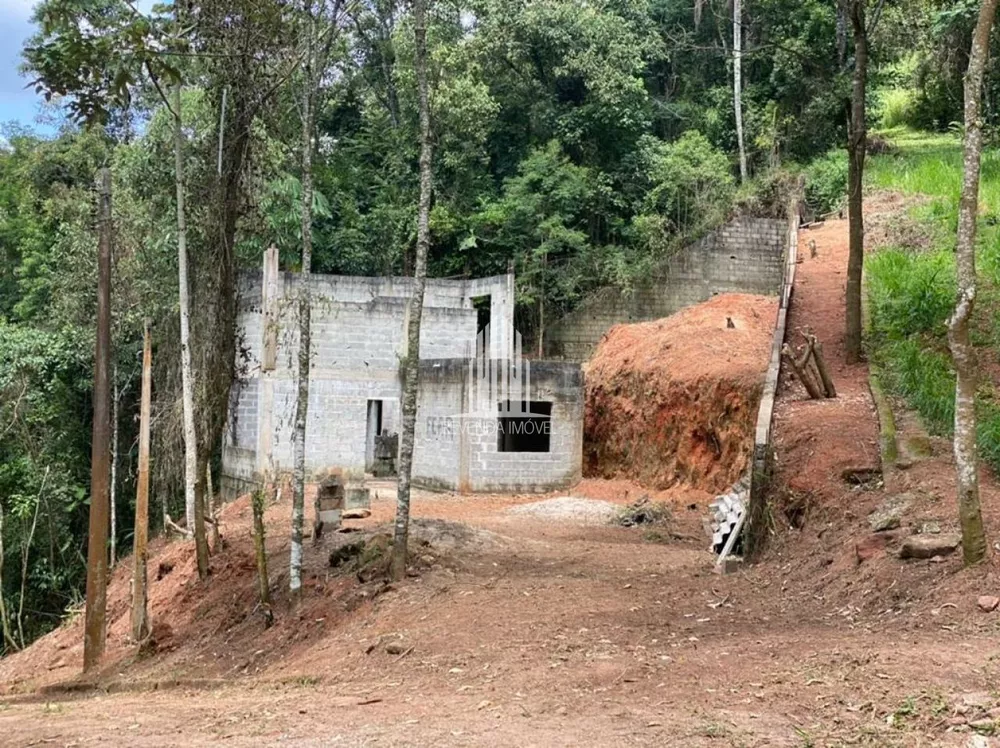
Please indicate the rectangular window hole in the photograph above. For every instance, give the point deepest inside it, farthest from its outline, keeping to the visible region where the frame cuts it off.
(524, 427)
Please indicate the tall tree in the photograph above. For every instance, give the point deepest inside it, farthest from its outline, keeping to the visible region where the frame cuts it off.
(738, 83)
(305, 310)
(194, 509)
(314, 62)
(412, 361)
(974, 545)
(857, 145)
(97, 552)
(139, 613)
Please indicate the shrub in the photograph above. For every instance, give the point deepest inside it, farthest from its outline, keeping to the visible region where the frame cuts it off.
(896, 108)
(826, 181)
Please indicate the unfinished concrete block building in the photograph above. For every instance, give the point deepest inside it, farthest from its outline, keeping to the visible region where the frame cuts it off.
(359, 340)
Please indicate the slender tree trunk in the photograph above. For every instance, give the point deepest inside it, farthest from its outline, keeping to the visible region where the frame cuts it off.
(305, 315)
(213, 507)
(857, 143)
(738, 83)
(974, 545)
(8, 637)
(100, 468)
(260, 548)
(25, 551)
(140, 615)
(541, 309)
(412, 362)
(114, 465)
(187, 372)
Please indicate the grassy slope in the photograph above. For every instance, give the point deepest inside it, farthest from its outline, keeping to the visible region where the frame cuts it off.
(911, 290)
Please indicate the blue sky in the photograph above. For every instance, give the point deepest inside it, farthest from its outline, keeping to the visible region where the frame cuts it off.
(16, 101)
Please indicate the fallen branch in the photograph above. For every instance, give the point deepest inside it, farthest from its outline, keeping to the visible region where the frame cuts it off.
(172, 526)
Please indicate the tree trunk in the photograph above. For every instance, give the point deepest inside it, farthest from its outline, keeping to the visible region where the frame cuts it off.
(97, 551)
(974, 545)
(738, 83)
(114, 465)
(187, 372)
(856, 147)
(412, 361)
(260, 549)
(140, 615)
(8, 637)
(305, 313)
(213, 508)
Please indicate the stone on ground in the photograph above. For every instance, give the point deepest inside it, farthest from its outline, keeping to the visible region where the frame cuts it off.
(889, 514)
(929, 546)
(988, 603)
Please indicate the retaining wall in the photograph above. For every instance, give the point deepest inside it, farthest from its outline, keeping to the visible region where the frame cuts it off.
(746, 256)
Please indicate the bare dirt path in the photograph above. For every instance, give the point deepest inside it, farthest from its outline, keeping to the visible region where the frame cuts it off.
(817, 439)
(524, 630)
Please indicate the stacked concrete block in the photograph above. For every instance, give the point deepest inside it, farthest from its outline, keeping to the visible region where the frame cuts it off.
(744, 256)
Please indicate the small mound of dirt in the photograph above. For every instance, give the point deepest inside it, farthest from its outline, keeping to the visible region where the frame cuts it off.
(445, 535)
(674, 401)
(645, 512)
(585, 511)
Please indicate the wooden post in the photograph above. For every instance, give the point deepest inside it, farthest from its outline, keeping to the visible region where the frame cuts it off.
(801, 373)
(140, 616)
(824, 373)
(269, 292)
(100, 457)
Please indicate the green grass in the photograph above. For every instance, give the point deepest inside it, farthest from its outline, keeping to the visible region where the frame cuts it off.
(911, 290)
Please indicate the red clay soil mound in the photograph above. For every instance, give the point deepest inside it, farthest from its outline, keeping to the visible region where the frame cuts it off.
(674, 401)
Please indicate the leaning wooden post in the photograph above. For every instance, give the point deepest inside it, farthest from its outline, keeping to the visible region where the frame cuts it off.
(140, 616)
(824, 373)
(100, 455)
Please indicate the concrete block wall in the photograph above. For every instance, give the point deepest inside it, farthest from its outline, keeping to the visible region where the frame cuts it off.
(460, 452)
(746, 256)
(358, 341)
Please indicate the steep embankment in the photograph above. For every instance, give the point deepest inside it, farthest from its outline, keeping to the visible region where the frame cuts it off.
(674, 401)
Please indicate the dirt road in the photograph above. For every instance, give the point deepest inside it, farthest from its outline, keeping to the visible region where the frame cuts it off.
(548, 632)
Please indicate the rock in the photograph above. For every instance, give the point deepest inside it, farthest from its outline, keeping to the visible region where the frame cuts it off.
(988, 603)
(982, 724)
(871, 547)
(861, 476)
(730, 565)
(929, 546)
(889, 514)
(394, 648)
(356, 513)
(977, 700)
(955, 721)
(930, 528)
(978, 741)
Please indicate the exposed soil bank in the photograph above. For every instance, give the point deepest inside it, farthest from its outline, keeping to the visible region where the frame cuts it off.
(674, 401)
